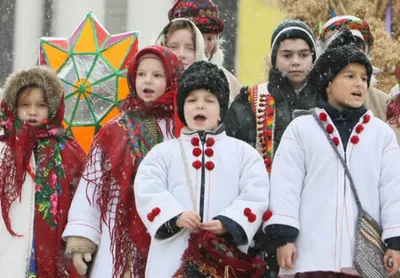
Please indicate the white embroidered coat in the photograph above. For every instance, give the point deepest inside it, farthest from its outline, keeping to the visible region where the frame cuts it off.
(16, 251)
(237, 181)
(309, 189)
(84, 219)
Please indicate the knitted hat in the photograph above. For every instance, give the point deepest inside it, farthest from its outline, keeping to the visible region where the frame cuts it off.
(203, 75)
(341, 52)
(291, 29)
(358, 27)
(204, 13)
(171, 63)
(41, 76)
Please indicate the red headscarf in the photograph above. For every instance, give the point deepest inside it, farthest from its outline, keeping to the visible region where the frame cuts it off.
(122, 146)
(21, 139)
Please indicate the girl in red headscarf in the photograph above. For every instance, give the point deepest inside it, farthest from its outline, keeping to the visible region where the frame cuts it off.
(103, 216)
(39, 170)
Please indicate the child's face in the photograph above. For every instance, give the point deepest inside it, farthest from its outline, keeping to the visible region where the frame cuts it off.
(180, 42)
(294, 58)
(210, 41)
(201, 110)
(151, 79)
(32, 106)
(349, 87)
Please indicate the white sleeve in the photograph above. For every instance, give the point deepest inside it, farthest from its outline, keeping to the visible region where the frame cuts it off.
(253, 193)
(84, 213)
(287, 176)
(155, 203)
(389, 189)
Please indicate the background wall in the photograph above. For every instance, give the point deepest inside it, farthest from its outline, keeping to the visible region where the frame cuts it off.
(248, 28)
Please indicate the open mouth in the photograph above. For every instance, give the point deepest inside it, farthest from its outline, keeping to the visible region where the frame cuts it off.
(148, 91)
(356, 94)
(32, 121)
(200, 118)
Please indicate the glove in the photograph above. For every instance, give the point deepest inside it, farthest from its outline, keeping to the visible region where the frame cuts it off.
(81, 250)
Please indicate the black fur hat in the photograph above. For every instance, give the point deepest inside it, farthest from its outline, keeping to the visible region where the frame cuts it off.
(341, 52)
(203, 75)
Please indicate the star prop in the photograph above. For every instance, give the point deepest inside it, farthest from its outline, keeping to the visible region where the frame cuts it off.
(92, 65)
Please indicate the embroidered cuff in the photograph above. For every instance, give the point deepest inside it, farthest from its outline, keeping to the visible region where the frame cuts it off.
(168, 229)
(281, 234)
(237, 233)
(393, 243)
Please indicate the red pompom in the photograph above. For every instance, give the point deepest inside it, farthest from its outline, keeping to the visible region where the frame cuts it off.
(336, 140)
(269, 132)
(252, 217)
(268, 161)
(359, 129)
(196, 151)
(323, 116)
(210, 165)
(247, 211)
(195, 141)
(366, 118)
(150, 217)
(355, 139)
(209, 152)
(197, 164)
(210, 142)
(267, 215)
(156, 211)
(330, 128)
(397, 72)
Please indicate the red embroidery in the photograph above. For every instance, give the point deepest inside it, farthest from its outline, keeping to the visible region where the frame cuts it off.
(329, 128)
(195, 141)
(355, 139)
(359, 129)
(197, 164)
(267, 215)
(247, 211)
(336, 140)
(209, 152)
(210, 142)
(196, 151)
(323, 116)
(252, 217)
(210, 165)
(150, 217)
(156, 211)
(366, 118)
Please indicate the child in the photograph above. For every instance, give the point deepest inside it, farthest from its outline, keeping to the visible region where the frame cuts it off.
(314, 209)
(204, 13)
(184, 39)
(203, 181)
(39, 170)
(375, 99)
(103, 214)
(260, 114)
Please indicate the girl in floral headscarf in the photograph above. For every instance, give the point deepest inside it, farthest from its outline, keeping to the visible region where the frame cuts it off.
(103, 214)
(39, 170)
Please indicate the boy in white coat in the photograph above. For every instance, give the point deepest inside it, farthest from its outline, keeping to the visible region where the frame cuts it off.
(314, 210)
(204, 181)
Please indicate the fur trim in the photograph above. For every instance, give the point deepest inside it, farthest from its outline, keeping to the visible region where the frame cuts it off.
(200, 45)
(218, 56)
(42, 76)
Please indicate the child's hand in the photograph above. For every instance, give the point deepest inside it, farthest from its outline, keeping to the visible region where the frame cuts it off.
(214, 226)
(79, 260)
(287, 255)
(189, 220)
(393, 266)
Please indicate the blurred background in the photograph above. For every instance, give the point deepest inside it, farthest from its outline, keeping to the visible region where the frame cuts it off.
(248, 28)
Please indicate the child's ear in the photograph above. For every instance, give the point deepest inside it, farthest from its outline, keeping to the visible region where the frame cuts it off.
(328, 88)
